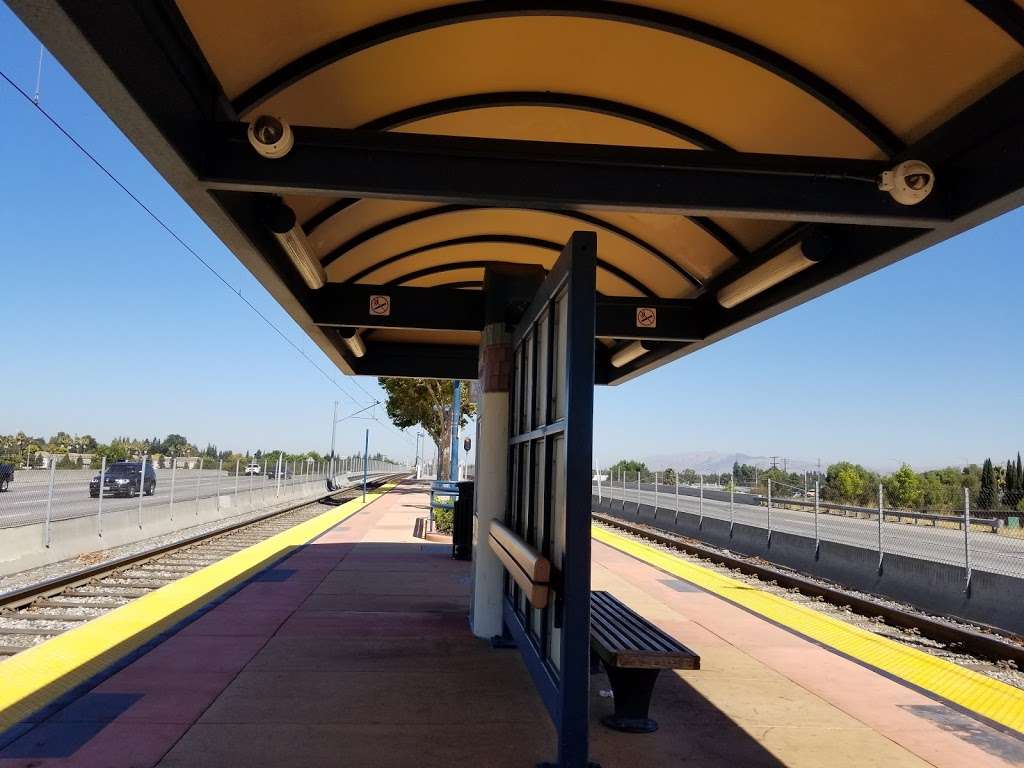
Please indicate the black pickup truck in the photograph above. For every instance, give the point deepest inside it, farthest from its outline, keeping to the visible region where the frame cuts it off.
(6, 476)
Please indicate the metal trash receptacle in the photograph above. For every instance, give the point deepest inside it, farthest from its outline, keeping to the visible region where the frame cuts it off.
(462, 523)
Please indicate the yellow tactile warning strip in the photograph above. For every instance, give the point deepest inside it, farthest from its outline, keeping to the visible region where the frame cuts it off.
(996, 701)
(35, 677)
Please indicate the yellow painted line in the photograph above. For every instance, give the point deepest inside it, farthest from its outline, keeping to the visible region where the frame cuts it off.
(972, 691)
(35, 677)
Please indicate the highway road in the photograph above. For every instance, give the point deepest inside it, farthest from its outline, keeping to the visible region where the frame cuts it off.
(997, 553)
(26, 500)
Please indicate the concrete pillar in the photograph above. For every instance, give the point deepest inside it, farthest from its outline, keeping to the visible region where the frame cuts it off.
(491, 476)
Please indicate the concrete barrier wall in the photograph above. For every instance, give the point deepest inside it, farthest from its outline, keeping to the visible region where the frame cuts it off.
(925, 584)
(25, 547)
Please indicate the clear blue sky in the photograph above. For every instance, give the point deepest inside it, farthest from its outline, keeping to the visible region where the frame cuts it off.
(110, 327)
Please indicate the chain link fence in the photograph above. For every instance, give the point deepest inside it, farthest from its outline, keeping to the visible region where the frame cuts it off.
(959, 532)
(162, 493)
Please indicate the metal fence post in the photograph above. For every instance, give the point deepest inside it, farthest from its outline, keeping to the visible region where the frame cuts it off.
(236, 480)
(250, 487)
(967, 539)
(655, 495)
(49, 503)
(675, 519)
(174, 469)
(597, 474)
(732, 505)
(142, 487)
(769, 510)
(881, 514)
(700, 519)
(263, 486)
(199, 479)
(277, 491)
(99, 507)
(817, 496)
(638, 494)
(220, 471)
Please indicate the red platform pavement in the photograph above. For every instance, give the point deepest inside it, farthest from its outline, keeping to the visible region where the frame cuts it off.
(356, 651)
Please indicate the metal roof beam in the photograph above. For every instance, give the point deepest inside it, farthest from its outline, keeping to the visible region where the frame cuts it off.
(455, 169)
(360, 306)
(450, 309)
(431, 361)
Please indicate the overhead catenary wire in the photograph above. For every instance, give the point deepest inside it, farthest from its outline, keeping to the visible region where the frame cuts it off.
(34, 101)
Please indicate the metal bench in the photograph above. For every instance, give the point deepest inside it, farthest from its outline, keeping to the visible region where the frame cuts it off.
(633, 652)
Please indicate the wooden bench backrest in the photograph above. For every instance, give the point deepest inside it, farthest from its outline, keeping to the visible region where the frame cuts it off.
(530, 569)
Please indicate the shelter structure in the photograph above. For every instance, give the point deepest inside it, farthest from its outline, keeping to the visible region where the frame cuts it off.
(551, 195)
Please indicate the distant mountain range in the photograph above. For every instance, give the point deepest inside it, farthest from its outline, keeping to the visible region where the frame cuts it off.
(712, 461)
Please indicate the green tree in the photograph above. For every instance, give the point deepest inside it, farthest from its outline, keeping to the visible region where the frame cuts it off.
(670, 477)
(427, 403)
(630, 467)
(988, 493)
(903, 488)
(845, 482)
(175, 445)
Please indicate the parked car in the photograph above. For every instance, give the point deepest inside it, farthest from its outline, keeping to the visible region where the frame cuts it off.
(124, 478)
(286, 474)
(6, 476)
(253, 469)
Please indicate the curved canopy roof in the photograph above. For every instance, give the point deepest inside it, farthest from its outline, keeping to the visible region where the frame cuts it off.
(793, 107)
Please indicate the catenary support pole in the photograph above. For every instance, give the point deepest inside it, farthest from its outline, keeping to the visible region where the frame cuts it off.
(453, 464)
(366, 455)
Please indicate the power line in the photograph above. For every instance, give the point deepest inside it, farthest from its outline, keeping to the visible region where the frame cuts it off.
(56, 124)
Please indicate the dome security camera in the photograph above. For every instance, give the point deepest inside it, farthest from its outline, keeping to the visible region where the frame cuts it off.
(271, 136)
(909, 183)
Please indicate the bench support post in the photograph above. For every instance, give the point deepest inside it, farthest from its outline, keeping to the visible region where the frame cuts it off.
(632, 689)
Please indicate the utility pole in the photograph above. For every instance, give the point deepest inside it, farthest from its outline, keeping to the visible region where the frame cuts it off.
(453, 473)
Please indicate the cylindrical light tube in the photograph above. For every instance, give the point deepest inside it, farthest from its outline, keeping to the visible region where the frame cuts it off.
(629, 353)
(281, 222)
(772, 272)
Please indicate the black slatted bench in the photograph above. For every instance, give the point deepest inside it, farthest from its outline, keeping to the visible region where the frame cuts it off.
(633, 652)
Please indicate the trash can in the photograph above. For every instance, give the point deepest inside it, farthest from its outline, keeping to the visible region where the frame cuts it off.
(462, 523)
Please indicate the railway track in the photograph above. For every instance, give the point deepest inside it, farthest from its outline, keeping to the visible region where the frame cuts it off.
(954, 633)
(34, 614)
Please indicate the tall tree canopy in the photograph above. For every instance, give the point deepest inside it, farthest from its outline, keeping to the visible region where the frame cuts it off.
(427, 403)
(988, 494)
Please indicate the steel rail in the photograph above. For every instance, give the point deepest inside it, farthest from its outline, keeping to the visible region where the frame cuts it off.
(19, 598)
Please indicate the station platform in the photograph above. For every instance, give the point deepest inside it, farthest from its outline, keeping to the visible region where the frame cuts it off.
(355, 650)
